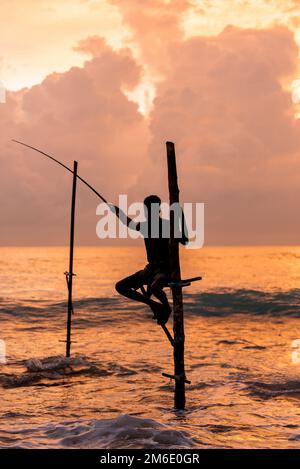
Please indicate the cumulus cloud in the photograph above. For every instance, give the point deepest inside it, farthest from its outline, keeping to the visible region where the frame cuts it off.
(81, 114)
(222, 99)
(224, 104)
(154, 27)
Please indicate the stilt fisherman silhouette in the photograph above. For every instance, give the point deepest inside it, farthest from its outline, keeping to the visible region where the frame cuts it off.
(156, 274)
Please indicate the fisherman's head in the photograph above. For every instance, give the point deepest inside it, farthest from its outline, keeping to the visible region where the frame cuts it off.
(152, 202)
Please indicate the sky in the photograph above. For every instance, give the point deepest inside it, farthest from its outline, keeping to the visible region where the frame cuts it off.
(109, 82)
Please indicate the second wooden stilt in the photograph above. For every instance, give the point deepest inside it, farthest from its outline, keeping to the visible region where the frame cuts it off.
(178, 326)
(70, 274)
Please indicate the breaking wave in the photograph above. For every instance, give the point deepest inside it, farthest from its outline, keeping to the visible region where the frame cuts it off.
(226, 302)
(124, 431)
(51, 371)
(208, 303)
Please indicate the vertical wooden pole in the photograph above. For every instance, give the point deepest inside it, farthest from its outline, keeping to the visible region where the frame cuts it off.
(70, 273)
(178, 323)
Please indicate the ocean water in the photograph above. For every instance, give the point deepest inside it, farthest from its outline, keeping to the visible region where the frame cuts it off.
(242, 326)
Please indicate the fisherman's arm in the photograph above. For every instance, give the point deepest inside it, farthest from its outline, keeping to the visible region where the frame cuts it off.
(123, 217)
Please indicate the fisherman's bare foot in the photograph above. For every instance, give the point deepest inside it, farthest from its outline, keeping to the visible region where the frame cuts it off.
(161, 313)
(156, 309)
(164, 317)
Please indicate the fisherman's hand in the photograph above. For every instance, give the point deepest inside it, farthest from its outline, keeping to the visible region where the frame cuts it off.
(184, 240)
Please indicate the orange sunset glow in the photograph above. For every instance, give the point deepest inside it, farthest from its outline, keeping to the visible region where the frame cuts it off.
(149, 242)
(108, 82)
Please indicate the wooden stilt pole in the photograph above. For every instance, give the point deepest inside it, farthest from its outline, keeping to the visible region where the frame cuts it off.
(178, 324)
(70, 274)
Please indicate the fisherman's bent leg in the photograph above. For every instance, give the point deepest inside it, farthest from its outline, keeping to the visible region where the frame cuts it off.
(161, 296)
(128, 286)
(156, 288)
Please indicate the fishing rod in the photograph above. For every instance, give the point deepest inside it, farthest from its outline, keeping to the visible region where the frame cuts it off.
(116, 210)
(64, 166)
(164, 327)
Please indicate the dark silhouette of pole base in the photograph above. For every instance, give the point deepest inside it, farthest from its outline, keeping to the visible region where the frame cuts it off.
(178, 325)
(70, 274)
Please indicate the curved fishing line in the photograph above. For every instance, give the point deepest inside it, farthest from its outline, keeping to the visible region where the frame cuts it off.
(64, 166)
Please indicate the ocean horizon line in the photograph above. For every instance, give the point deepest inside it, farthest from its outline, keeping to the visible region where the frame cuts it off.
(140, 246)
